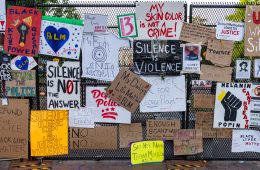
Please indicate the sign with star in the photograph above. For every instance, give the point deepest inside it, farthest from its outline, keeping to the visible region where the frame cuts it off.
(107, 110)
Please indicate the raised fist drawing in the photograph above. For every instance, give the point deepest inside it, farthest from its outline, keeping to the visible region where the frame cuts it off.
(231, 104)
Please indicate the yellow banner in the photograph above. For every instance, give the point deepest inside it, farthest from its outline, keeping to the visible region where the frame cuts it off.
(147, 151)
(49, 132)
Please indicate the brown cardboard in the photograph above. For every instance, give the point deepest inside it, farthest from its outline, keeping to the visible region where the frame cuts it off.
(206, 101)
(197, 34)
(252, 33)
(204, 121)
(214, 73)
(130, 133)
(224, 133)
(128, 89)
(22, 84)
(188, 141)
(219, 52)
(14, 128)
(102, 137)
(161, 129)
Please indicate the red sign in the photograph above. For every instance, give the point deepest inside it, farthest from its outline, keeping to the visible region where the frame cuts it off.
(23, 26)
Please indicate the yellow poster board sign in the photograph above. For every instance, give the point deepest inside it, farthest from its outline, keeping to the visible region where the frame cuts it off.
(49, 132)
(147, 152)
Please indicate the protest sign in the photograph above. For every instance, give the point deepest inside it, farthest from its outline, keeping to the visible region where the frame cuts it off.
(243, 69)
(107, 110)
(128, 89)
(245, 141)
(224, 133)
(161, 129)
(257, 68)
(147, 152)
(23, 27)
(61, 37)
(155, 57)
(2, 37)
(23, 63)
(83, 117)
(232, 105)
(204, 121)
(255, 106)
(49, 132)
(101, 137)
(23, 84)
(206, 101)
(167, 95)
(228, 30)
(201, 84)
(130, 133)
(159, 20)
(214, 73)
(100, 55)
(219, 52)
(127, 25)
(14, 128)
(95, 23)
(2, 15)
(252, 31)
(63, 85)
(5, 67)
(197, 34)
(191, 58)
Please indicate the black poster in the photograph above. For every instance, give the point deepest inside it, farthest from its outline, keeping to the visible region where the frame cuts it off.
(156, 57)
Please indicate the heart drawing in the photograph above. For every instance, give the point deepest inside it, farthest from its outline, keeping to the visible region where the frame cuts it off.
(56, 38)
(23, 63)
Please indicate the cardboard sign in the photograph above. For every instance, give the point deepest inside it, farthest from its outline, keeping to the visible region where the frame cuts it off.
(107, 110)
(167, 95)
(219, 52)
(155, 57)
(14, 129)
(147, 152)
(188, 141)
(255, 106)
(201, 84)
(5, 67)
(49, 132)
(214, 73)
(95, 23)
(100, 55)
(243, 69)
(2, 15)
(83, 117)
(61, 37)
(257, 68)
(129, 133)
(206, 101)
(251, 31)
(127, 25)
(232, 105)
(161, 129)
(102, 137)
(228, 30)
(23, 84)
(63, 85)
(159, 20)
(23, 63)
(191, 58)
(23, 27)
(224, 133)
(245, 141)
(197, 34)
(204, 121)
(128, 90)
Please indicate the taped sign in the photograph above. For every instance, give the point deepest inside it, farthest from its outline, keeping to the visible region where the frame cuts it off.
(127, 25)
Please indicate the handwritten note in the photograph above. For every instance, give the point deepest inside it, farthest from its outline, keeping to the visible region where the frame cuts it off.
(128, 90)
(49, 132)
(204, 121)
(161, 129)
(14, 128)
(5, 67)
(245, 141)
(214, 73)
(83, 117)
(102, 137)
(204, 101)
(228, 30)
(95, 23)
(130, 133)
(147, 152)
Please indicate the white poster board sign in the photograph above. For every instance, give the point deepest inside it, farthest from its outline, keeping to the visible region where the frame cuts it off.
(243, 69)
(228, 30)
(232, 105)
(191, 58)
(95, 23)
(245, 141)
(168, 95)
(159, 20)
(107, 111)
(82, 118)
(255, 106)
(63, 85)
(2, 15)
(23, 63)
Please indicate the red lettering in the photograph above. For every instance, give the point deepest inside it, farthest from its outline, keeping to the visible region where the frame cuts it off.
(256, 20)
